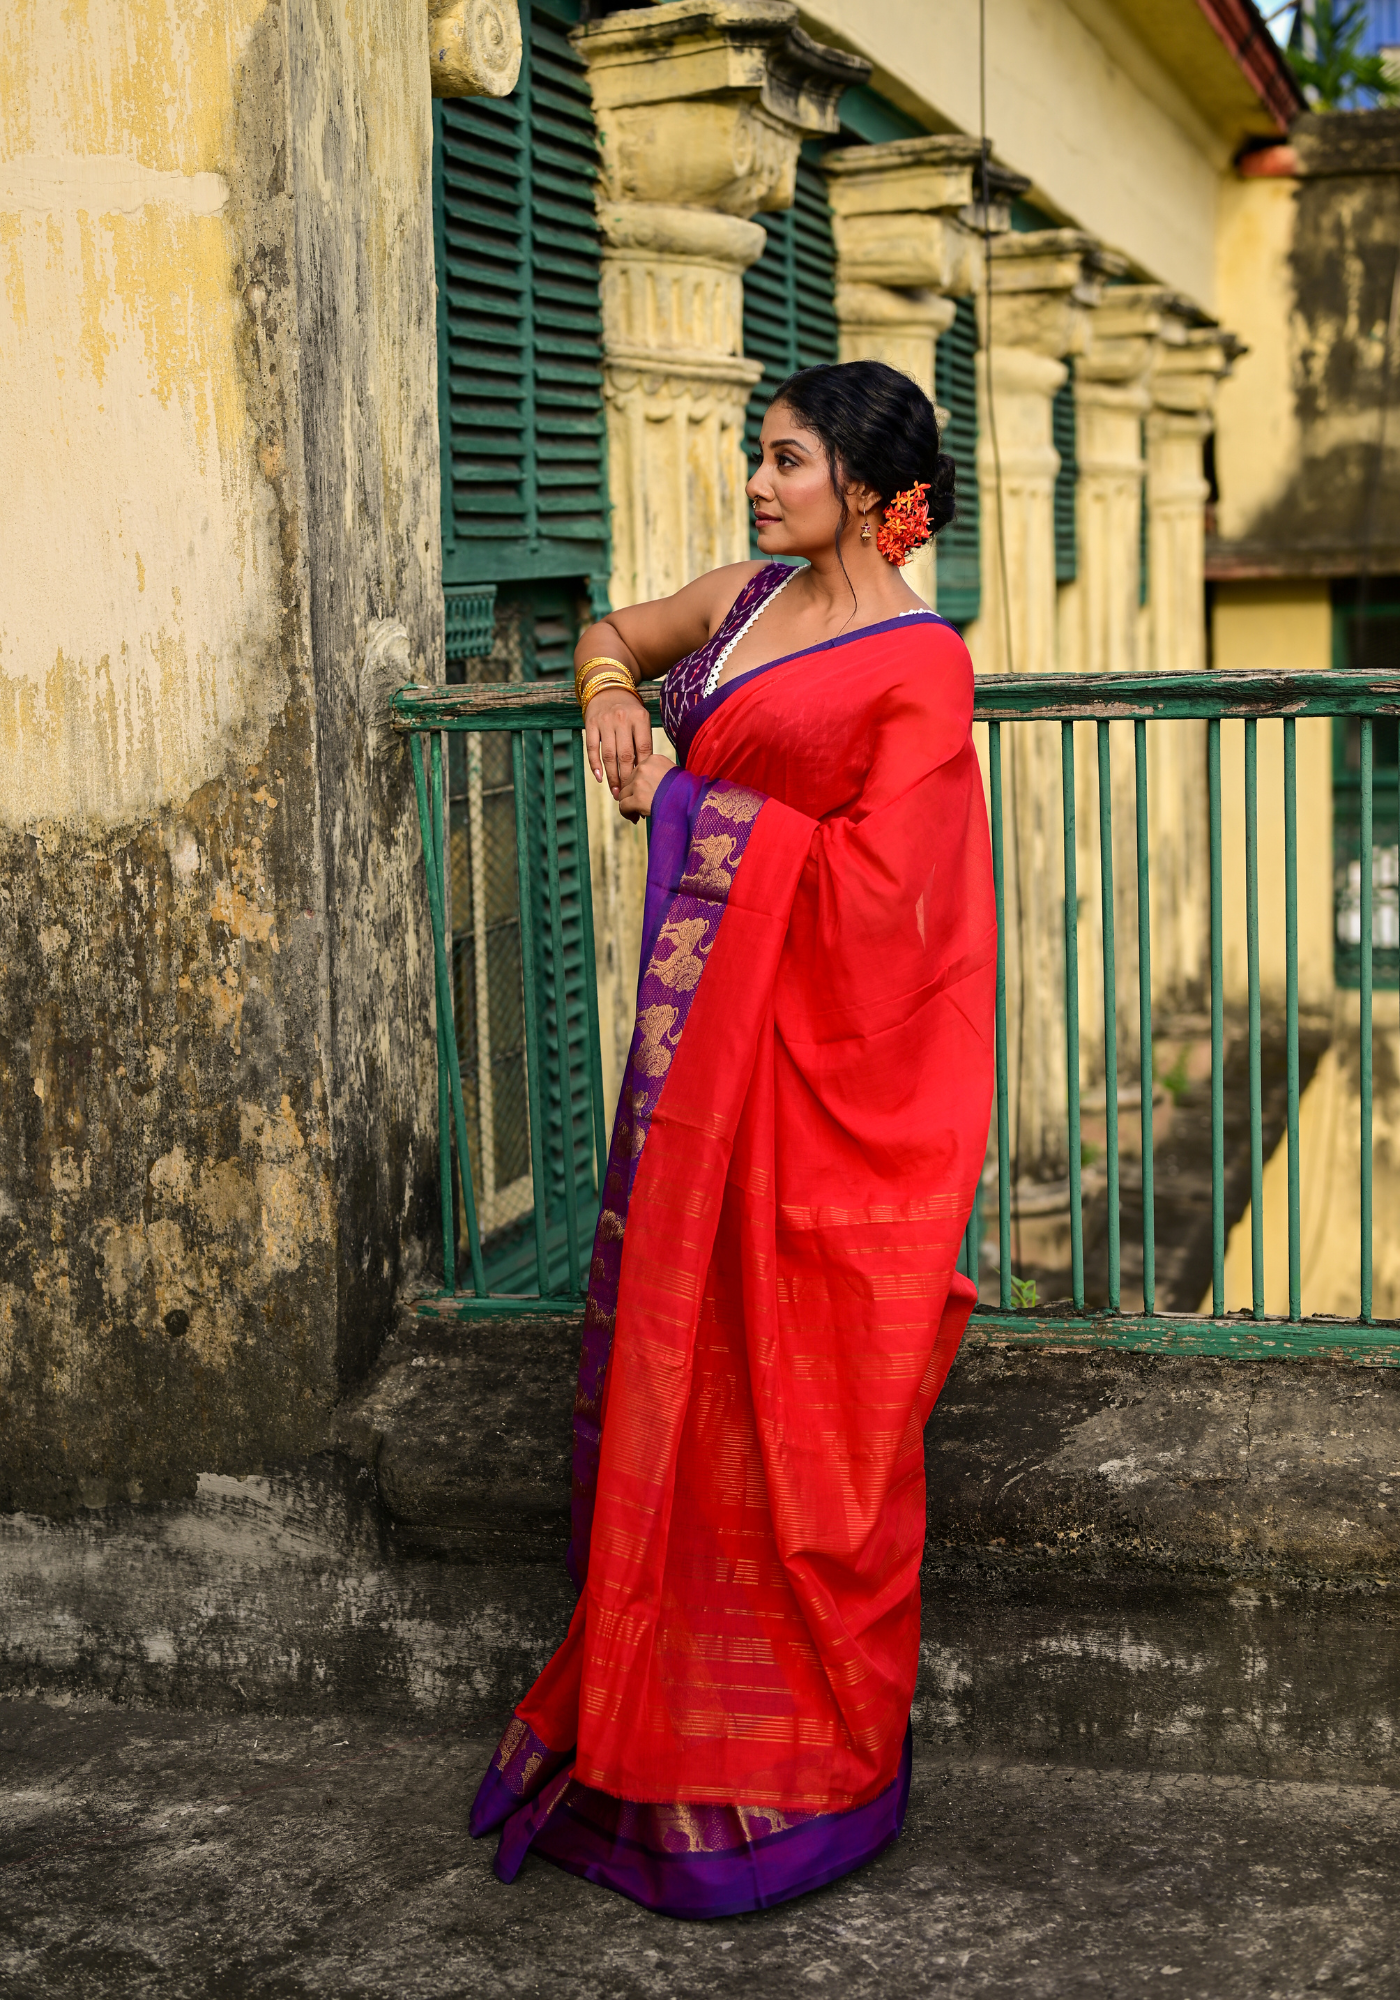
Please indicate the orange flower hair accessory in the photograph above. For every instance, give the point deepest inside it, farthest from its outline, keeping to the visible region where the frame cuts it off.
(905, 527)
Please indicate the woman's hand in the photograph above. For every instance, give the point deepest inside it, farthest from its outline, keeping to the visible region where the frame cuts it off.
(617, 733)
(634, 800)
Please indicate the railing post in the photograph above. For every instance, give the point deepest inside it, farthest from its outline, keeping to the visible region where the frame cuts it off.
(1149, 1218)
(1368, 862)
(1110, 1015)
(1003, 1107)
(1076, 1195)
(1217, 1025)
(1256, 1092)
(1290, 930)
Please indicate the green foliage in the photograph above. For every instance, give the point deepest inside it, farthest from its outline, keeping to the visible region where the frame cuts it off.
(1024, 1293)
(1336, 70)
(1087, 1154)
(1174, 1081)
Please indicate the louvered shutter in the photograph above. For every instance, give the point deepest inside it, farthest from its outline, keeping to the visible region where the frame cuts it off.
(790, 293)
(520, 327)
(525, 547)
(959, 547)
(1064, 431)
(1144, 539)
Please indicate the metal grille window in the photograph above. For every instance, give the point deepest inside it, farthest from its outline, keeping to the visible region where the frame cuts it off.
(525, 563)
(790, 293)
(959, 547)
(1366, 634)
(1064, 431)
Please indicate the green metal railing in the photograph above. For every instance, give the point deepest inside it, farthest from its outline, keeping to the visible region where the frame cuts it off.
(1100, 703)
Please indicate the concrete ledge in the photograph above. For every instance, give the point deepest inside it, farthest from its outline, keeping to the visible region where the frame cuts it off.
(1243, 1468)
(293, 1592)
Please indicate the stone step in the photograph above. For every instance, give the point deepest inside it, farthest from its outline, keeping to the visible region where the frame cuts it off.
(1132, 1561)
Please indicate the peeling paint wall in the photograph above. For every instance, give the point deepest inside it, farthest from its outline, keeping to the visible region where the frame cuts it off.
(1308, 458)
(218, 455)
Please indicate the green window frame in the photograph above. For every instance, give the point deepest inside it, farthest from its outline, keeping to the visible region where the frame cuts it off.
(526, 557)
(1366, 635)
(958, 550)
(790, 294)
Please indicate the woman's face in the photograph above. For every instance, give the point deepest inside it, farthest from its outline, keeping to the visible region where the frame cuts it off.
(795, 509)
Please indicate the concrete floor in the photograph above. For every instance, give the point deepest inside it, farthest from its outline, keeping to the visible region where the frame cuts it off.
(177, 1854)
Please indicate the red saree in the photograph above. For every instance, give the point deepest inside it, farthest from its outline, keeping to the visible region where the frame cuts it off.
(773, 1302)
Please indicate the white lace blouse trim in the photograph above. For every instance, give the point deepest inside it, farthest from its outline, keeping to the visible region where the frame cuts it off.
(722, 657)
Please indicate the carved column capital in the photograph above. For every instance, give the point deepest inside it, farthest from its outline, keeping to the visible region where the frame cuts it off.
(1044, 284)
(909, 214)
(702, 108)
(474, 47)
(706, 102)
(1190, 371)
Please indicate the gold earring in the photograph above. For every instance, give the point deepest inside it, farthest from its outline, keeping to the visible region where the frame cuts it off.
(864, 526)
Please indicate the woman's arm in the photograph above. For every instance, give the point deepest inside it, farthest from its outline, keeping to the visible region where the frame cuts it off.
(647, 639)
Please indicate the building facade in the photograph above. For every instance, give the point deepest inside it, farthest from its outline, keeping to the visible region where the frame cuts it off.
(362, 344)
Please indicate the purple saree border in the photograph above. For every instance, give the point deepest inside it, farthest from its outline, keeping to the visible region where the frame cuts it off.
(741, 1871)
(700, 712)
(700, 828)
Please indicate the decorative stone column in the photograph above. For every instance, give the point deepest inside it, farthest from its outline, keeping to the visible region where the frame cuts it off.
(1043, 286)
(908, 244)
(1112, 398)
(702, 108)
(1191, 362)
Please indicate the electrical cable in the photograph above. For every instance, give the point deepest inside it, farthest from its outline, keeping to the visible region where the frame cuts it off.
(1011, 758)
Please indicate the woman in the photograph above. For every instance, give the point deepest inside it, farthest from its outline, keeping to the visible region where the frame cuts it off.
(773, 1304)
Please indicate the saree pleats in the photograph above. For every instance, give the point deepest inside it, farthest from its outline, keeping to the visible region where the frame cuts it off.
(773, 1301)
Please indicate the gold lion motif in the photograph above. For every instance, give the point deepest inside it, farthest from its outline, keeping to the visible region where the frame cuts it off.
(655, 1051)
(681, 970)
(710, 872)
(740, 806)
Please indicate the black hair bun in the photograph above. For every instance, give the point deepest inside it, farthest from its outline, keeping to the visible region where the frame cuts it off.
(879, 428)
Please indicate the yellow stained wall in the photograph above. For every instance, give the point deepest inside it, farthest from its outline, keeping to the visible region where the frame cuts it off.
(1074, 99)
(1258, 439)
(138, 595)
(1286, 627)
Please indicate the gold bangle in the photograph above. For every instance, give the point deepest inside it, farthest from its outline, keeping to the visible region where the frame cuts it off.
(601, 660)
(602, 679)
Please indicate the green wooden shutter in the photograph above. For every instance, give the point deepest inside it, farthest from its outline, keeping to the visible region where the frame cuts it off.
(790, 293)
(1064, 432)
(1144, 538)
(520, 326)
(959, 547)
(525, 561)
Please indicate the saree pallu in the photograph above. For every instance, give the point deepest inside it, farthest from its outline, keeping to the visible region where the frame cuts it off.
(773, 1302)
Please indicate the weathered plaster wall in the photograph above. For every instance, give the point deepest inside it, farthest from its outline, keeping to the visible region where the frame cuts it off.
(1068, 88)
(188, 1242)
(361, 151)
(1308, 461)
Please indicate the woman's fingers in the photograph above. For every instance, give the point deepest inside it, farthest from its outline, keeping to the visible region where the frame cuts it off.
(590, 743)
(641, 736)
